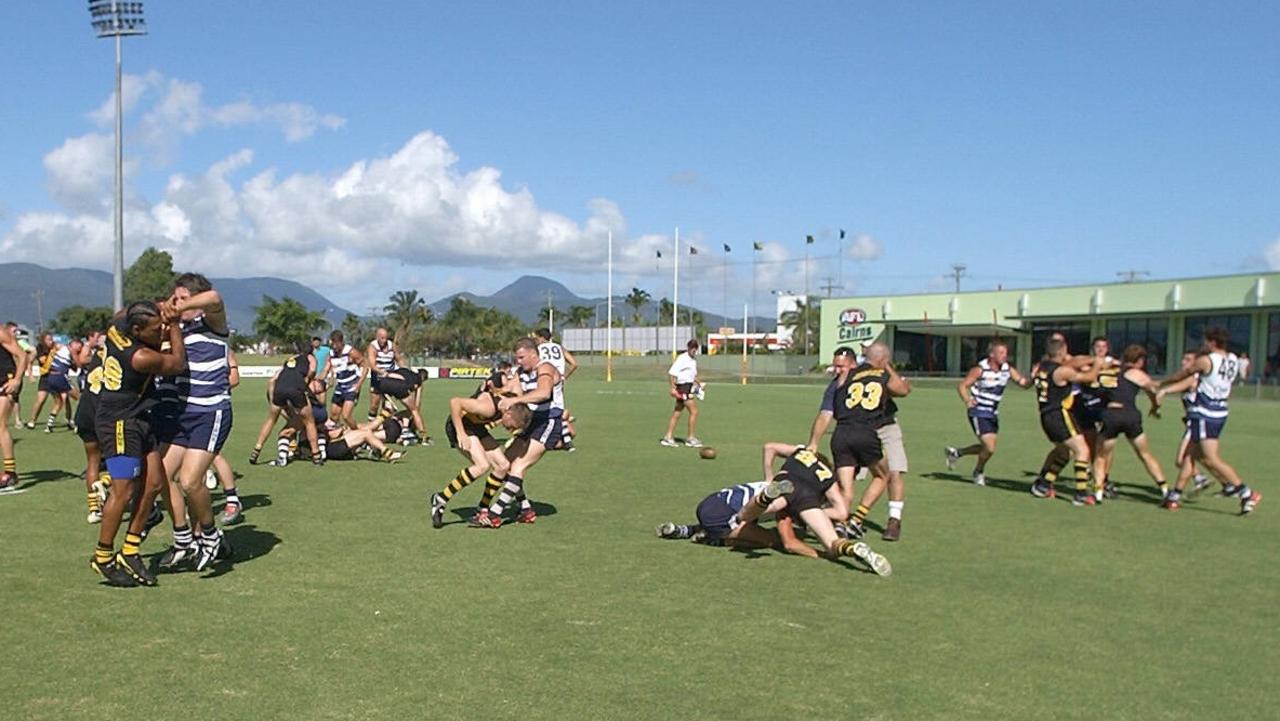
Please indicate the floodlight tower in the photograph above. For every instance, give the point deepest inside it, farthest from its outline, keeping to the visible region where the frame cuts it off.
(116, 20)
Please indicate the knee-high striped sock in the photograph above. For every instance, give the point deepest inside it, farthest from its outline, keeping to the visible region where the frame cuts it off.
(461, 481)
(844, 547)
(523, 500)
(895, 509)
(48, 423)
(103, 554)
(209, 538)
(95, 505)
(510, 490)
(282, 450)
(233, 496)
(131, 543)
(183, 537)
(323, 444)
(1081, 469)
(491, 488)
(859, 514)
(11, 466)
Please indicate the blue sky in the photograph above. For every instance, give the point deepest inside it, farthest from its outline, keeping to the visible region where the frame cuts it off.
(366, 147)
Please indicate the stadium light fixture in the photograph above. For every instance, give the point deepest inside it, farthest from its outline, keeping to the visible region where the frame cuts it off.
(116, 20)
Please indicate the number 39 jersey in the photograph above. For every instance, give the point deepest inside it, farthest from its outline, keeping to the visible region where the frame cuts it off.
(552, 352)
(863, 399)
(125, 392)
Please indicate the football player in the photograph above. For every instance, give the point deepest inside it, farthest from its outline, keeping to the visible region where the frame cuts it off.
(13, 364)
(981, 390)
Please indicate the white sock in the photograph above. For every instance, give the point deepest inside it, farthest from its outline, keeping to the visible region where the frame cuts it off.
(895, 509)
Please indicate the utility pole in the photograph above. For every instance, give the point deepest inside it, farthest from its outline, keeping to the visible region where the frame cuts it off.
(829, 286)
(1129, 276)
(38, 296)
(958, 272)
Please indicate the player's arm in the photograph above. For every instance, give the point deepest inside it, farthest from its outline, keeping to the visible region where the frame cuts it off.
(369, 354)
(19, 358)
(210, 301)
(1021, 380)
(1064, 374)
(163, 363)
(570, 363)
(547, 378)
(233, 368)
(271, 385)
(459, 407)
(826, 411)
(1202, 365)
(773, 450)
(897, 385)
(963, 387)
(791, 543)
(311, 368)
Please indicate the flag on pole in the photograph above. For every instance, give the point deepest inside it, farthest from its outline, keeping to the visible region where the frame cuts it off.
(727, 248)
(808, 240)
(659, 253)
(842, 234)
(757, 246)
(693, 250)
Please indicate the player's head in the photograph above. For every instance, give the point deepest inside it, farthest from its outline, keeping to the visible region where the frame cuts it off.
(1188, 359)
(516, 417)
(142, 323)
(843, 359)
(336, 340)
(692, 347)
(526, 353)
(187, 285)
(1217, 338)
(1135, 356)
(877, 354)
(998, 352)
(357, 356)
(1055, 335)
(381, 335)
(542, 334)
(1056, 348)
(315, 342)
(1100, 347)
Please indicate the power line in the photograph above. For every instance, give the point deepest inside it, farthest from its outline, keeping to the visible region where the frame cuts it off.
(1129, 276)
(957, 271)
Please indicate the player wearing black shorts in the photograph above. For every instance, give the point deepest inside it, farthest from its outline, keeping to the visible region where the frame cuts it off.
(719, 523)
(96, 478)
(1053, 378)
(807, 482)
(1121, 417)
(287, 395)
(133, 358)
(467, 429)
(13, 363)
(405, 385)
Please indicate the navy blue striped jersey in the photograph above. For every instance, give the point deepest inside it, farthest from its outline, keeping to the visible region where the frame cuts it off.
(206, 385)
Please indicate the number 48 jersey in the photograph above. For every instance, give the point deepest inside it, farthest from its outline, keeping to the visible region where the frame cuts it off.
(863, 399)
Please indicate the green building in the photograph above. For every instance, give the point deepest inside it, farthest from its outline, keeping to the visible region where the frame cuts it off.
(945, 333)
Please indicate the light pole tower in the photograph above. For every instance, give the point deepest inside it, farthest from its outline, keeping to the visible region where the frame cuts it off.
(115, 20)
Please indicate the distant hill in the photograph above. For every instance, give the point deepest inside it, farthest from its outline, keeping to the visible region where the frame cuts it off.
(77, 286)
(528, 295)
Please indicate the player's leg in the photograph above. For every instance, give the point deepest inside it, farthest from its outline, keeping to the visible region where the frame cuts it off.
(514, 484)
(269, 424)
(59, 400)
(752, 535)
(313, 436)
(692, 405)
(126, 472)
(9, 472)
(41, 396)
(1143, 449)
(232, 507)
(820, 526)
(1078, 444)
(480, 463)
(1232, 485)
(96, 480)
(668, 438)
(184, 546)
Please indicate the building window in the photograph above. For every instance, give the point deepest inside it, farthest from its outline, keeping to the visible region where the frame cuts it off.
(1077, 335)
(1237, 327)
(920, 353)
(1150, 333)
(1272, 365)
(975, 348)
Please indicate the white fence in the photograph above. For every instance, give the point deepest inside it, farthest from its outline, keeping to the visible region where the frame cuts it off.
(626, 340)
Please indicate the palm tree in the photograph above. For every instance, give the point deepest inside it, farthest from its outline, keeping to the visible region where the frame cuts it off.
(637, 299)
(546, 314)
(797, 319)
(405, 311)
(580, 315)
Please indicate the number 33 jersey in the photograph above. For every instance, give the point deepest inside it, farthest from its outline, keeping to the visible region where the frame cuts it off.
(863, 398)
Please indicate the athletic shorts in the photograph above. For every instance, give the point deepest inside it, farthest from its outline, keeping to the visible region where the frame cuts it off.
(984, 425)
(855, 445)
(341, 397)
(545, 429)
(715, 516)
(295, 398)
(17, 392)
(397, 388)
(1205, 429)
(1058, 425)
(57, 383)
(86, 414)
(1088, 416)
(391, 430)
(197, 430)
(684, 392)
(1121, 421)
(487, 441)
(338, 451)
(43, 384)
(895, 452)
(131, 437)
(375, 383)
(808, 494)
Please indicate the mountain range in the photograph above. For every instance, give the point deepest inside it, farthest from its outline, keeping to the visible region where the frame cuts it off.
(33, 293)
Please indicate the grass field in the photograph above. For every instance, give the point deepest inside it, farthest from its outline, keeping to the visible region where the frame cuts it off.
(344, 603)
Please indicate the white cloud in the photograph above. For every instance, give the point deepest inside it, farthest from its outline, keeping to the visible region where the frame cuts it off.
(864, 247)
(1272, 255)
(134, 88)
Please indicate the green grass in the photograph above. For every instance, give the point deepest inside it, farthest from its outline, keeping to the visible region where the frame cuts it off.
(345, 604)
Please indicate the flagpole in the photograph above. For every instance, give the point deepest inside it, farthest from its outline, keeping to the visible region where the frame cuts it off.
(806, 295)
(755, 267)
(608, 332)
(744, 344)
(724, 286)
(675, 297)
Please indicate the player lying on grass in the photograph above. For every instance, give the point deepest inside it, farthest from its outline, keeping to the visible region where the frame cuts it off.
(468, 430)
(719, 522)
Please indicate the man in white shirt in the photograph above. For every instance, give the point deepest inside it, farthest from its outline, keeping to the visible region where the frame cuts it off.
(683, 375)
